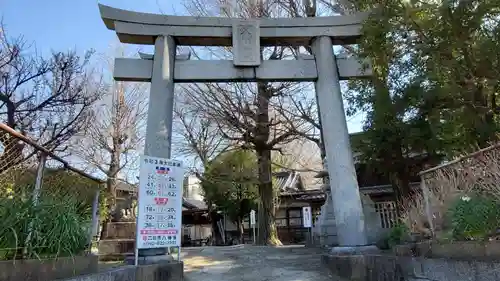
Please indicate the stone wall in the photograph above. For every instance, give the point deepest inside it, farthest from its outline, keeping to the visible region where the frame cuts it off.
(121, 230)
(454, 250)
(116, 247)
(154, 272)
(119, 240)
(373, 223)
(325, 230)
(406, 268)
(47, 269)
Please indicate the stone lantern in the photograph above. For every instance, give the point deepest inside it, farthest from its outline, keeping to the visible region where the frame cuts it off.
(326, 230)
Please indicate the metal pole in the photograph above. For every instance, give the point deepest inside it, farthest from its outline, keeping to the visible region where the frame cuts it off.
(224, 229)
(39, 178)
(253, 226)
(45, 151)
(179, 253)
(258, 215)
(36, 196)
(136, 249)
(311, 235)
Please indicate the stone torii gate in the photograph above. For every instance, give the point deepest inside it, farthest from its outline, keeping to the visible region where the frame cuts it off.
(164, 69)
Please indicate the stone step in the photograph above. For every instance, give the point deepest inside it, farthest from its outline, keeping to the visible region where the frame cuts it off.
(120, 230)
(116, 246)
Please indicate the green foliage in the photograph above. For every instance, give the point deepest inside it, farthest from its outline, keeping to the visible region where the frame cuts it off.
(436, 68)
(230, 183)
(59, 226)
(21, 182)
(60, 221)
(398, 234)
(383, 243)
(103, 205)
(475, 218)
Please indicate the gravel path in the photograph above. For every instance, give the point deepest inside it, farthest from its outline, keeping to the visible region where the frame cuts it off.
(254, 263)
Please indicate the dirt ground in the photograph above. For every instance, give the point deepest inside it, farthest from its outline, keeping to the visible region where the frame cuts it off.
(254, 263)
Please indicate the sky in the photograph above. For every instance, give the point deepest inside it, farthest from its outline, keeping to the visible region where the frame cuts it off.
(71, 24)
(64, 25)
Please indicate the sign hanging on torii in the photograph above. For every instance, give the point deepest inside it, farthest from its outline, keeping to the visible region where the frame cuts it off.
(246, 43)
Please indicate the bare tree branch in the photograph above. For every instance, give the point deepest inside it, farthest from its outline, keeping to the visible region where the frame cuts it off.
(46, 99)
(112, 141)
(258, 116)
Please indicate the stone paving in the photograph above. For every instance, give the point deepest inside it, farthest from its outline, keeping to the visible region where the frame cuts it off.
(254, 263)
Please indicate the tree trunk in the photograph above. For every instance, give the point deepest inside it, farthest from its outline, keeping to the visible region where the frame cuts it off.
(110, 205)
(114, 168)
(104, 230)
(268, 235)
(241, 231)
(214, 219)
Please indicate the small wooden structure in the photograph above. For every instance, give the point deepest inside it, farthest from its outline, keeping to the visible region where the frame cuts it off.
(196, 223)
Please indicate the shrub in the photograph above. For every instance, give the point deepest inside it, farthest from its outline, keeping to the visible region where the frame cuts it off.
(383, 243)
(398, 234)
(474, 217)
(59, 225)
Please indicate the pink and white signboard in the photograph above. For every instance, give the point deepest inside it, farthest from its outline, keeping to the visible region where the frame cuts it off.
(159, 217)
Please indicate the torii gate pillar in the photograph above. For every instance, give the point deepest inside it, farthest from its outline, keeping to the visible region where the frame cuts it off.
(161, 105)
(349, 217)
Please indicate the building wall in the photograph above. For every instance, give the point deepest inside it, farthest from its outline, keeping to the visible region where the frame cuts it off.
(288, 222)
(192, 188)
(305, 155)
(196, 232)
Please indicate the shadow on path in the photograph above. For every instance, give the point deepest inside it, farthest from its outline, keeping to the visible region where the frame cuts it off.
(254, 263)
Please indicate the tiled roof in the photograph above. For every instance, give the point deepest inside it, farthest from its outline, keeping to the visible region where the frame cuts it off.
(312, 194)
(288, 180)
(194, 204)
(318, 194)
(125, 186)
(387, 188)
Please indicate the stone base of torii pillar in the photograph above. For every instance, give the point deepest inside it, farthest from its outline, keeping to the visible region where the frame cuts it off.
(354, 250)
(325, 228)
(150, 258)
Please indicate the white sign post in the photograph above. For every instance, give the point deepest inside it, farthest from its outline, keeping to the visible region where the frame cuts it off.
(159, 214)
(307, 219)
(252, 223)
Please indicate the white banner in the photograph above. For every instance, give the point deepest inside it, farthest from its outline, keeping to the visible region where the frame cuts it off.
(159, 217)
(252, 217)
(306, 217)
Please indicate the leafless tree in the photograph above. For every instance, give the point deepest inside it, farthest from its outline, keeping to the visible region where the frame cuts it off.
(199, 139)
(256, 116)
(246, 116)
(196, 137)
(112, 141)
(46, 99)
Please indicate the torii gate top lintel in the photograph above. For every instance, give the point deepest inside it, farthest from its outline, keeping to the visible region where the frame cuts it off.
(142, 28)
